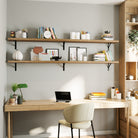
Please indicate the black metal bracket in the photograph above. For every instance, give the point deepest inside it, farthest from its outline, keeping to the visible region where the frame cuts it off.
(15, 66)
(108, 46)
(63, 45)
(63, 66)
(16, 45)
(108, 66)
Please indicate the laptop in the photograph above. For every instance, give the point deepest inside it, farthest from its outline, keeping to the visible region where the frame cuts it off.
(63, 96)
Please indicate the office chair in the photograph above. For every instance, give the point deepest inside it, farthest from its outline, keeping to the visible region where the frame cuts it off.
(78, 116)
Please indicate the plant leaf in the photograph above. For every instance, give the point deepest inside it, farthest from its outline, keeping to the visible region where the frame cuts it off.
(22, 85)
(14, 87)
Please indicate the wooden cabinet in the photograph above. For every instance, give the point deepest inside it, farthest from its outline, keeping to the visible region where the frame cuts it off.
(127, 66)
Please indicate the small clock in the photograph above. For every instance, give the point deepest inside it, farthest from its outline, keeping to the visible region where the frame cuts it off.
(47, 34)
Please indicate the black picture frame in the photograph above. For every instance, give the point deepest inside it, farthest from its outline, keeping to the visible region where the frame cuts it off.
(53, 52)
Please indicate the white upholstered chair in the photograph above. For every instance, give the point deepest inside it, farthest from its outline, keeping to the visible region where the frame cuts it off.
(78, 116)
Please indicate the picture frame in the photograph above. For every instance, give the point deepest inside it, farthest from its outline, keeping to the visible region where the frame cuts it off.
(81, 52)
(53, 52)
(72, 53)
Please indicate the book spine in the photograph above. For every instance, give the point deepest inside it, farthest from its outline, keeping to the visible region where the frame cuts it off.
(106, 59)
(54, 33)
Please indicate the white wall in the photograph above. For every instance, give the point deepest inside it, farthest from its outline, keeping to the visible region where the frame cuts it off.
(3, 69)
(44, 79)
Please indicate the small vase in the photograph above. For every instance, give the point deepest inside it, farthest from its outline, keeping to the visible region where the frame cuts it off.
(131, 54)
(17, 55)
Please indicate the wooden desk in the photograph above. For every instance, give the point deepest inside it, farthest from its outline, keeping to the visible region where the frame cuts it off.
(44, 105)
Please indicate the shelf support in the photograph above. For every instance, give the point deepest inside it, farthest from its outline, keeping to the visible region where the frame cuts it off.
(63, 45)
(63, 66)
(15, 45)
(108, 46)
(108, 66)
(15, 66)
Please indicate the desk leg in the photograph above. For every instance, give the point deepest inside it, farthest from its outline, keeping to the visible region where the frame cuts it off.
(10, 127)
(117, 123)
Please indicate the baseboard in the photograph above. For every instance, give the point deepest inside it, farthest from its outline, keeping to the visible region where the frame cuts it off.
(106, 132)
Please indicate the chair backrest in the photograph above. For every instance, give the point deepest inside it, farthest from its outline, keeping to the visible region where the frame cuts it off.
(134, 108)
(79, 113)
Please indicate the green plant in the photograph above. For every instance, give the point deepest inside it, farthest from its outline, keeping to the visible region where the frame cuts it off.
(22, 86)
(14, 87)
(19, 86)
(133, 37)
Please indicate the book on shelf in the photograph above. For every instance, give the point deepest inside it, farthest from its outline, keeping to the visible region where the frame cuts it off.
(108, 55)
(97, 95)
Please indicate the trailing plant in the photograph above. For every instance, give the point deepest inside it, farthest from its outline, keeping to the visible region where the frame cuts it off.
(133, 37)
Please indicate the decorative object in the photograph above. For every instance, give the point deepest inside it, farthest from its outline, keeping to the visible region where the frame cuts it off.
(44, 57)
(17, 55)
(131, 77)
(12, 34)
(85, 35)
(107, 35)
(133, 20)
(72, 53)
(133, 37)
(47, 34)
(35, 53)
(57, 58)
(74, 35)
(81, 52)
(52, 52)
(20, 99)
(12, 101)
(18, 34)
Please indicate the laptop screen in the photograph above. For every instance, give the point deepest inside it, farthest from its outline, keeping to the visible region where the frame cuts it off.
(62, 96)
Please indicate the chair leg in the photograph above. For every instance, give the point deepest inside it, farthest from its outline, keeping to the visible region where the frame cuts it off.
(79, 133)
(93, 129)
(58, 129)
(71, 130)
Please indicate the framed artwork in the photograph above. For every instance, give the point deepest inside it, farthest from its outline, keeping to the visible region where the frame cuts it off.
(52, 52)
(72, 53)
(81, 52)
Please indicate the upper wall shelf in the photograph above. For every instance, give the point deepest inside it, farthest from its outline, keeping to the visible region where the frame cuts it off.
(62, 40)
(132, 24)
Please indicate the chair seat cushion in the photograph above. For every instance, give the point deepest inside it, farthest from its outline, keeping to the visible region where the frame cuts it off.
(134, 121)
(82, 125)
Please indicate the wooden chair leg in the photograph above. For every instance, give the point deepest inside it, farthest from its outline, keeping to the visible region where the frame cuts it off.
(58, 129)
(93, 129)
(79, 133)
(71, 130)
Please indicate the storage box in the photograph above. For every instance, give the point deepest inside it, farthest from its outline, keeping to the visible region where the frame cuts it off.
(44, 57)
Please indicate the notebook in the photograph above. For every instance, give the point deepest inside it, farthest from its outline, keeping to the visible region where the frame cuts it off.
(63, 96)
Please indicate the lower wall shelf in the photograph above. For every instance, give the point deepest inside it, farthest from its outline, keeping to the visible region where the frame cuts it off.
(65, 62)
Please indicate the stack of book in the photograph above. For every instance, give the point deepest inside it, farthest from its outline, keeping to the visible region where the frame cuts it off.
(107, 36)
(97, 95)
(99, 57)
(41, 31)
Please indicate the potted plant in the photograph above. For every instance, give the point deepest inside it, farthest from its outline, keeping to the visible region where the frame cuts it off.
(22, 86)
(16, 87)
(132, 49)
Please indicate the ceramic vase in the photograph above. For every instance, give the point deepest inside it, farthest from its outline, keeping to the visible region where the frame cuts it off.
(17, 55)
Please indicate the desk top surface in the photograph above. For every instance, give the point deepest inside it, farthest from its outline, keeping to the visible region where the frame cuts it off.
(43, 105)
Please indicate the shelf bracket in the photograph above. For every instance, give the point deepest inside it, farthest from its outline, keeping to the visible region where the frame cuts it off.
(15, 66)
(108, 66)
(108, 46)
(15, 45)
(63, 45)
(63, 66)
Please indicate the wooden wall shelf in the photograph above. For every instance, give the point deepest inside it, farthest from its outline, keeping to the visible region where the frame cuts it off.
(62, 40)
(132, 24)
(68, 62)
(64, 62)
